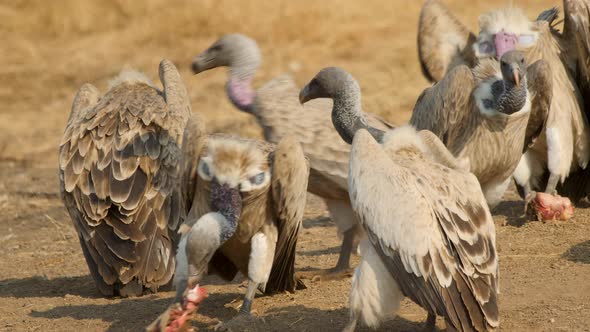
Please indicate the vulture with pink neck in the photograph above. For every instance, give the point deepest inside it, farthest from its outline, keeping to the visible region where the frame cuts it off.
(276, 108)
(563, 147)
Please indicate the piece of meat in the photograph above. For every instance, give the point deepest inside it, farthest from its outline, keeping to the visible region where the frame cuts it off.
(177, 317)
(549, 207)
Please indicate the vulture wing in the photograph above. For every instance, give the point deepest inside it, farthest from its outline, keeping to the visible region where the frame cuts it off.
(437, 238)
(290, 173)
(540, 85)
(443, 41)
(444, 105)
(120, 174)
(576, 31)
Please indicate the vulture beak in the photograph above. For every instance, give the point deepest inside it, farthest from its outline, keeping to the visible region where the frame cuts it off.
(312, 91)
(516, 73)
(201, 63)
(304, 95)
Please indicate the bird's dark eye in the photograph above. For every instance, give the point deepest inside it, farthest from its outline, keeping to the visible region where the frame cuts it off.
(216, 48)
(257, 179)
(521, 60)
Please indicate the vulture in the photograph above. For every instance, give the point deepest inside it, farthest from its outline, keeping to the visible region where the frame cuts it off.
(430, 234)
(248, 208)
(488, 115)
(122, 161)
(564, 144)
(279, 113)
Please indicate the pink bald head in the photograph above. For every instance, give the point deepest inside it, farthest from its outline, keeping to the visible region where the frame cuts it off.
(505, 42)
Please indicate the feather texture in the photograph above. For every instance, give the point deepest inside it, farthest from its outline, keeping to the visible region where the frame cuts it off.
(275, 209)
(438, 238)
(491, 143)
(120, 180)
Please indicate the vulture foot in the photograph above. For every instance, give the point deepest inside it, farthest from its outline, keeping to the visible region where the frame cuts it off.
(549, 207)
(178, 316)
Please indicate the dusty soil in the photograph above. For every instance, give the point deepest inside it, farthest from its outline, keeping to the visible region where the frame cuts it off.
(51, 47)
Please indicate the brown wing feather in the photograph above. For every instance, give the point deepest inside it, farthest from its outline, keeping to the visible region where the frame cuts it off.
(443, 41)
(444, 105)
(290, 174)
(540, 85)
(121, 185)
(576, 31)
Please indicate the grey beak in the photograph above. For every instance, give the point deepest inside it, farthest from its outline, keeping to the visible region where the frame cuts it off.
(304, 95)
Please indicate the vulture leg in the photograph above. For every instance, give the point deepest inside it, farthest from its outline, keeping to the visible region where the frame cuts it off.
(552, 184)
(262, 254)
(343, 216)
(345, 251)
(351, 326)
(261, 258)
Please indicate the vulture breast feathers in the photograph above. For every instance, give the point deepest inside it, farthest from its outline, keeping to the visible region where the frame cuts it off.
(120, 175)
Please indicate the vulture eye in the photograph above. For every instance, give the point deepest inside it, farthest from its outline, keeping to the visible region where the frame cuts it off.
(526, 40)
(257, 179)
(486, 47)
(204, 170)
(254, 182)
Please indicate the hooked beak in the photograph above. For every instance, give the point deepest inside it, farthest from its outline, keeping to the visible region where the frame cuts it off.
(201, 63)
(304, 95)
(516, 73)
(311, 91)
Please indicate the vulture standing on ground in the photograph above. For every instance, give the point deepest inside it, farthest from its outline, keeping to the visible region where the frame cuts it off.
(246, 215)
(432, 237)
(487, 116)
(563, 146)
(121, 165)
(278, 112)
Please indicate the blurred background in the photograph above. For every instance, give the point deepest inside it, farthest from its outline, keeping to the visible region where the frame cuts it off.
(50, 48)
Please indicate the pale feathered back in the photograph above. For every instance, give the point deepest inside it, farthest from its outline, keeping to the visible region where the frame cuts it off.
(431, 226)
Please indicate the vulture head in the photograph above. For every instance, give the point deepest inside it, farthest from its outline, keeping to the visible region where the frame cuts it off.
(236, 51)
(242, 55)
(505, 30)
(344, 90)
(513, 67)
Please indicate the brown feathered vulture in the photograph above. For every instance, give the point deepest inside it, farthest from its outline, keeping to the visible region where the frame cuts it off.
(563, 147)
(487, 115)
(122, 160)
(248, 208)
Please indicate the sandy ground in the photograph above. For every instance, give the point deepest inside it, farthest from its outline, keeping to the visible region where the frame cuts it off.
(51, 47)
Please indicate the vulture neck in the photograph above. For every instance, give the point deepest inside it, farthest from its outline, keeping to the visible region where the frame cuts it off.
(347, 115)
(513, 97)
(239, 86)
(227, 202)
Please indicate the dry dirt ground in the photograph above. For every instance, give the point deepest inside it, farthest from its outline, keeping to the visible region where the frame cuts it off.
(49, 48)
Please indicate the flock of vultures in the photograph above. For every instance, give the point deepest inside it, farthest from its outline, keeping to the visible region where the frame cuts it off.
(157, 200)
